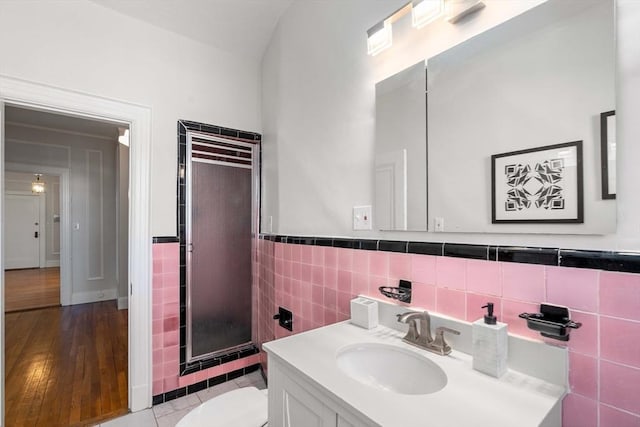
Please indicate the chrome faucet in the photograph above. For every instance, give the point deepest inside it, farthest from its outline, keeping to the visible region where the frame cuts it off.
(423, 338)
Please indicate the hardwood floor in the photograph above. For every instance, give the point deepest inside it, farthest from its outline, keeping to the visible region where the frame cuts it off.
(31, 288)
(66, 366)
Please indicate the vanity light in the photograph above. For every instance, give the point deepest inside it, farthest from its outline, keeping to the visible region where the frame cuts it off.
(37, 186)
(455, 10)
(379, 37)
(424, 12)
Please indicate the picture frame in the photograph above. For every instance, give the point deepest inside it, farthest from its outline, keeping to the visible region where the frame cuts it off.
(538, 185)
(608, 154)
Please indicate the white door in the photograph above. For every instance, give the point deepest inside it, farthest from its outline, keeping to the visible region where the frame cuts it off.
(391, 190)
(21, 230)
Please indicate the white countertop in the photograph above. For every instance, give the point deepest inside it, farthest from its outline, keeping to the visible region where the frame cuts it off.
(469, 399)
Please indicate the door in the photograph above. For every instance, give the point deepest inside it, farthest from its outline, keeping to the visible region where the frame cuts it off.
(391, 190)
(22, 229)
(220, 180)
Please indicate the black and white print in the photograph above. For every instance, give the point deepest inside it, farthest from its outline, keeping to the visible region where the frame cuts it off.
(538, 185)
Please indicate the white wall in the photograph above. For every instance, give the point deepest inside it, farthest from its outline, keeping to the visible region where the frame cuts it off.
(82, 46)
(318, 116)
(92, 169)
(318, 104)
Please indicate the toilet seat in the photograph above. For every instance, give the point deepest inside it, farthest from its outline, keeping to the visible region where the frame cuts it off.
(244, 407)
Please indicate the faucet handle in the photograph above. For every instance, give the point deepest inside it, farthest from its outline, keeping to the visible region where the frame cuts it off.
(439, 342)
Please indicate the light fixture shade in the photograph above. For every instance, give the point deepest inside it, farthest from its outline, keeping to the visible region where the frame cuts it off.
(379, 37)
(425, 11)
(37, 186)
(455, 10)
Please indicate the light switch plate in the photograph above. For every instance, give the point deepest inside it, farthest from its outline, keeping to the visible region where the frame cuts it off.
(362, 217)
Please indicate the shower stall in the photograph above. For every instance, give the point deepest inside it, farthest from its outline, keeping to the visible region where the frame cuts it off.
(221, 212)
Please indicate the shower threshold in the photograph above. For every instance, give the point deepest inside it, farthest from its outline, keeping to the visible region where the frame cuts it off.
(218, 358)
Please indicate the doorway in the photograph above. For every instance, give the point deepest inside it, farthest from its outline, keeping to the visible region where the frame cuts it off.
(88, 331)
(27, 94)
(32, 241)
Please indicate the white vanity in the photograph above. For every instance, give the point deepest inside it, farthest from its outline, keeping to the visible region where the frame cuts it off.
(344, 375)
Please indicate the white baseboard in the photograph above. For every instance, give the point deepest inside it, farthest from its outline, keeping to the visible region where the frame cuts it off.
(93, 296)
(140, 397)
(52, 263)
(123, 303)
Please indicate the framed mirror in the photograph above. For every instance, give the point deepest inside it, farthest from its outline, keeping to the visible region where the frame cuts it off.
(608, 153)
(541, 79)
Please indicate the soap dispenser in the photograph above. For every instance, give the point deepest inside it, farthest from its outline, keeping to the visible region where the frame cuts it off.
(490, 344)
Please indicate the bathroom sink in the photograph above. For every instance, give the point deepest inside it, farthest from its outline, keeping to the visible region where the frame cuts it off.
(391, 368)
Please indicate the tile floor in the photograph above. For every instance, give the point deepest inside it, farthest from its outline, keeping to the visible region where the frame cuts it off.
(168, 414)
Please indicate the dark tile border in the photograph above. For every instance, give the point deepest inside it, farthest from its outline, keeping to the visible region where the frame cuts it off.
(190, 368)
(459, 250)
(182, 128)
(392, 246)
(544, 256)
(184, 125)
(368, 245)
(166, 239)
(425, 248)
(623, 261)
(193, 388)
(601, 260)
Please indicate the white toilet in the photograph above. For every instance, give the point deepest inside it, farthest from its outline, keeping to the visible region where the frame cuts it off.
(244, 407)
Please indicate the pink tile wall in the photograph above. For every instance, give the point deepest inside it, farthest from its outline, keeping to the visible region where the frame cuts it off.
(316, 283)
(166, 316)
(166, 326)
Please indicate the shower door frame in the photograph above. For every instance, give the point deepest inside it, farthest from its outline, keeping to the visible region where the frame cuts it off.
(254, 147)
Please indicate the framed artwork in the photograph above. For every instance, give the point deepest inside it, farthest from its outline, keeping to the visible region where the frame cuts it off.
(538, 185)
(608, 154)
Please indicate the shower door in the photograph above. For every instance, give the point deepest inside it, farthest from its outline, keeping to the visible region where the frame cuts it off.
(221, 214)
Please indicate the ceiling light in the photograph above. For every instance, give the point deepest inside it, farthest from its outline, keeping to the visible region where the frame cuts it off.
(425, 11)
(37, 186)
(379, 37)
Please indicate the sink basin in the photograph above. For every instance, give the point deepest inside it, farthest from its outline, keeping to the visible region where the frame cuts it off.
(391, 368)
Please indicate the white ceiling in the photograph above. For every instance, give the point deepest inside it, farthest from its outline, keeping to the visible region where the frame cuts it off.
(242, 27)
(42, 119)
